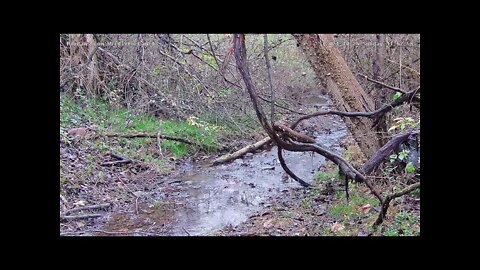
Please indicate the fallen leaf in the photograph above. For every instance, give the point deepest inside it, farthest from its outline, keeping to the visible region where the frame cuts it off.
(80, 132)
(80, 224)
(365, 208)
(268, 223)
(80, 203)
(336, 227)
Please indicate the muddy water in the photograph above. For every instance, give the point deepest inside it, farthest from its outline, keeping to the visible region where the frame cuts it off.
(207, 199)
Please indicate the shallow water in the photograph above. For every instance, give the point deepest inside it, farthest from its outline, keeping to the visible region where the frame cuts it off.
(207, 199)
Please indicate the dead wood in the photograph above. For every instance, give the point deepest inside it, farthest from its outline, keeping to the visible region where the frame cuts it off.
(154, 136)
(88, 207)
(68, 218)
(241, 152)
(378, 157)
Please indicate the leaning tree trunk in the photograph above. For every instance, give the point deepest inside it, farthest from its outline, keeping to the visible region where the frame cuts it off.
(347, 94)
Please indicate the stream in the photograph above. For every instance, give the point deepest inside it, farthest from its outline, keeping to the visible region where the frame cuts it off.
(207, 199)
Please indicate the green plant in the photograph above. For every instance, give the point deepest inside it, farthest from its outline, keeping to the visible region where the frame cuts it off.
(410, 168)
(403, 155)
(390, 232)
(324, 176)
(396, 95)
(404, 223)
(306, 203)
(351, 209)
(404, 122)
(225, 92)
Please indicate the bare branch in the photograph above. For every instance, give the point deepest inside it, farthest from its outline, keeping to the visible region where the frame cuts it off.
(89, 207)
(288, 171)
(404, 98)
(272, 93)
(382, 84)
(389, 198)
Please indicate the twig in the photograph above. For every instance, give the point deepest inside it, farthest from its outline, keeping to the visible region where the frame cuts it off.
(63, 199)
(117, 162)
(389, 198)
(154, 136)
(186, 71)
(67, 218)
(272, 93)
(186, 231)
(213, 52)
(136, 205)
(389, 60)
(383, 84)
(105, 232)
(89, 207)
(280, 106)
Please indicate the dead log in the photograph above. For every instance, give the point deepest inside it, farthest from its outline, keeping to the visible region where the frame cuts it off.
(241, 152)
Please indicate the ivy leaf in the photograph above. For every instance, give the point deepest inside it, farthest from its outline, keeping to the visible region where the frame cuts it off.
(409, 168)
(402, 155)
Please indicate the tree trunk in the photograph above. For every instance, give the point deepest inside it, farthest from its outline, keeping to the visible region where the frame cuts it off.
(82, 51)
(341, 85)
(379, 93)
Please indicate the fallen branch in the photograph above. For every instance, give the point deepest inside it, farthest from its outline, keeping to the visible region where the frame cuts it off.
(105, 232)
(68, 218)
(122, 160)
(154, 136)
(389, 198)
(89, 207)
(241, 152)
(117, 162)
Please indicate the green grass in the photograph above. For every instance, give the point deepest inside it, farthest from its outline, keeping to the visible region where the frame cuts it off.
(403, 225)
(325, 176)
(105, 118)
(347, 210)
(247, 122)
